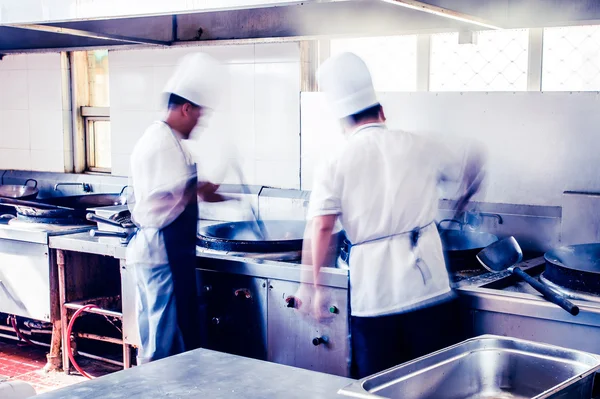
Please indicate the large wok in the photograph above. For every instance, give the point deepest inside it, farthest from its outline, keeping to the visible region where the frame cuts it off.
(281, 236)
(575, 267)
(462, 246)
(23, 192)
(63, 210)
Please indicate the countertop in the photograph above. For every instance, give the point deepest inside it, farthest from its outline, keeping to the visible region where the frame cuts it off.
(110, 246)
(207, 374)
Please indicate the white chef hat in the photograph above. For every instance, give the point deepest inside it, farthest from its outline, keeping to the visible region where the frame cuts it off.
(347, 84)
(198, 78)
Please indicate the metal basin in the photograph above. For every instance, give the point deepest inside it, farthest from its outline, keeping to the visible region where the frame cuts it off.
(486, 367)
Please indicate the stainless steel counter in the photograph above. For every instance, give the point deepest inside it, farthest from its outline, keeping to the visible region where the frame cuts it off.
(83, 242)
(519, 312)
(108, 246)
(37, 234)
(207, 374)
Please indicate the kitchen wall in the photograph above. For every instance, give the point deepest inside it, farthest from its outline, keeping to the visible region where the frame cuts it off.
(34, 114)
(257, 124)
(540, 144)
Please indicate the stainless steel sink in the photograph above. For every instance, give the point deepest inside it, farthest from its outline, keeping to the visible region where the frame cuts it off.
(486, 367)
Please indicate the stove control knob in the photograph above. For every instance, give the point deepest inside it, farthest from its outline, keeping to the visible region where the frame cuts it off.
(320, 340)
(291, 302)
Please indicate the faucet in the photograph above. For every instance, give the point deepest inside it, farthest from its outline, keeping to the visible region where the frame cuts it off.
(492, 215)
(87, 188)
(459, 222)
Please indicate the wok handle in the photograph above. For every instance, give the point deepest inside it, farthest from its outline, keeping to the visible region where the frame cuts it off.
(549, 294)
(117, 234)
(92, 217)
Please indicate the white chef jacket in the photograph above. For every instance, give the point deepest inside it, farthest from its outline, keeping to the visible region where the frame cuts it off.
(383, 183)
(161, 167)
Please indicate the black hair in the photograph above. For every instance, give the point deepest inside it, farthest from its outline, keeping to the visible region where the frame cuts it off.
(176, 101)
(367, 114)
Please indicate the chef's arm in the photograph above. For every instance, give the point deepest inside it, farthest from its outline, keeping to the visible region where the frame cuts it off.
(322, 227)
(207, 193)
(472, 178)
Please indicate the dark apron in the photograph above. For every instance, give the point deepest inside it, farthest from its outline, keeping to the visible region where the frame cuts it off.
(180, 242)
(356, 363)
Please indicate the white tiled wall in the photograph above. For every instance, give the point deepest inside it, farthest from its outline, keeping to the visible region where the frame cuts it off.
(539, 144)
(32, 113)
(257, 124)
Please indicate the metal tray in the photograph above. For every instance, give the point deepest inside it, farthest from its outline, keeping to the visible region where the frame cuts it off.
(486, 367)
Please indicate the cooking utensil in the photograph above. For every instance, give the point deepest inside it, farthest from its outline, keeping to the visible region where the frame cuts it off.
(462, 246)
(63, 210)
(20, 203)
(283, 236)
(117, 220)
(23, 192)
(575, 267)
(126, 228)
(504, 254)
(259, 226)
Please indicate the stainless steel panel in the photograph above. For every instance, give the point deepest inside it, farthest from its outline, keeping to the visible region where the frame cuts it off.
(131, 334)
(33, 11)
(233, 313)
(24, 279)
(291, 333)
(581, 218)
(83, 242)
(206, 374)
(560, 333)
(486, 367)
(331, 277)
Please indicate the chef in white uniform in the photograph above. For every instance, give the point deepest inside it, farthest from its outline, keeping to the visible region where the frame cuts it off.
(383, 188)
(165, 209)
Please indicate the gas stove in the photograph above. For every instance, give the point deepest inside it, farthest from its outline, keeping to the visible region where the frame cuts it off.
(510, 283)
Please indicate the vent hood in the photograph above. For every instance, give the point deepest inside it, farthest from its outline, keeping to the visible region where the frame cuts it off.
(42, 25)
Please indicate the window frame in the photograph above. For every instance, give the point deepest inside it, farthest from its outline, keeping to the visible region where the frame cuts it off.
(90, 115)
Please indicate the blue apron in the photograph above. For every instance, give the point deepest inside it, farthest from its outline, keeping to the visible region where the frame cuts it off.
(180, 241)
(168, 319)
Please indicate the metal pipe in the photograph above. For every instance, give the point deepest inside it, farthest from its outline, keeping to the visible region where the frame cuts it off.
(14, 338)
(96, 337)
(53, 359)
(62, 295)
(89, 355)
(100, 311)
(35, 331)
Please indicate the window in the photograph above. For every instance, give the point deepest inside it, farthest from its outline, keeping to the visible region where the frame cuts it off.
(571, 59)
(392, 60)
(97, 139)
(494, 61)
(93, 99)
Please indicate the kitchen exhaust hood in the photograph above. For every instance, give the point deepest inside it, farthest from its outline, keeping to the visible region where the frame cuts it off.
(42, 25)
